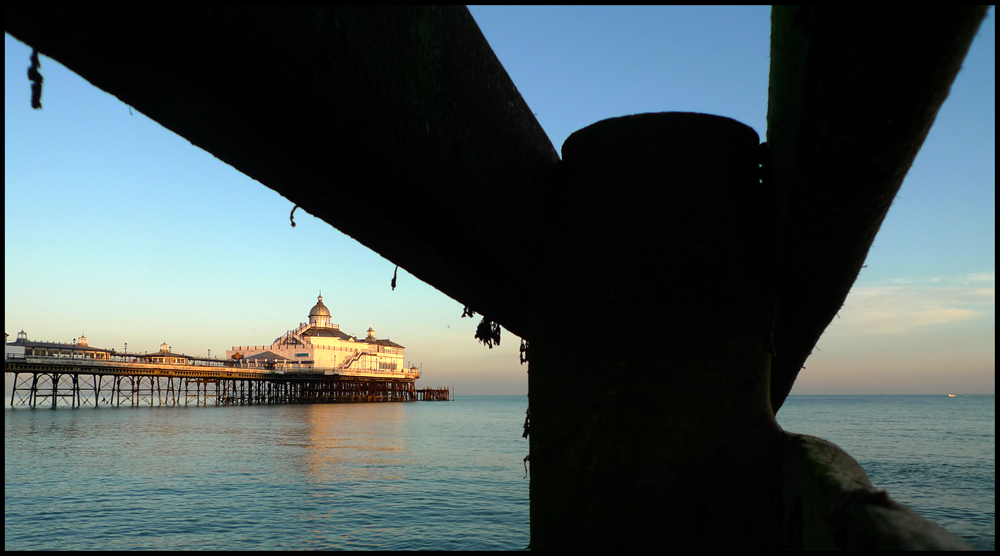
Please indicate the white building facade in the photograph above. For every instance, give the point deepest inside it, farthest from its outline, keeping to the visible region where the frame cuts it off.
(77, 349)
(319, 344)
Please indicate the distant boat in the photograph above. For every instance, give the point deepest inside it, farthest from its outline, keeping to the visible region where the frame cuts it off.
(951, 395)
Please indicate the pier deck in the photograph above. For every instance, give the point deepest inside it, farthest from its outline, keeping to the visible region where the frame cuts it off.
(78, 382)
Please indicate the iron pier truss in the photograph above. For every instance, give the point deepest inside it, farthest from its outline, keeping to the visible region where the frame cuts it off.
(53, 382)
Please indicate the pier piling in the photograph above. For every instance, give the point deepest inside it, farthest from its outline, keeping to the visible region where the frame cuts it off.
(58, 382)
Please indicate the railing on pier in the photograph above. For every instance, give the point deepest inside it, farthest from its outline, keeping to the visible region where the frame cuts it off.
(212, 368)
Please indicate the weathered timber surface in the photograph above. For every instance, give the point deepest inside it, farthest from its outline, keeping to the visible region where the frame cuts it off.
(670, 443)
(398, 126)
(852, 95)
(831, 505)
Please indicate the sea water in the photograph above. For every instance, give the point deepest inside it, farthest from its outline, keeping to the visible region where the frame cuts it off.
(423, 475)
(934, 454)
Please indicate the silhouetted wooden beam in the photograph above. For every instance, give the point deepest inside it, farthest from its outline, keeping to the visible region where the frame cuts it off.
(397, 126)
(852, 95)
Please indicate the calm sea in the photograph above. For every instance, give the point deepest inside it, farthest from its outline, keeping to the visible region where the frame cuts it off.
(934, 454)
(425, 475)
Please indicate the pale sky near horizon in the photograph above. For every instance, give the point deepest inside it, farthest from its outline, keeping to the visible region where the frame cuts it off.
(117, 228)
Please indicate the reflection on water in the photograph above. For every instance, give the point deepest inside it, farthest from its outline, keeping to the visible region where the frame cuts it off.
(355, 442)
(424, 475)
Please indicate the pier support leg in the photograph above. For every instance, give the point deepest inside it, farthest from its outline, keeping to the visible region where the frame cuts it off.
(649, 369)
(97, 379)
(55, 389)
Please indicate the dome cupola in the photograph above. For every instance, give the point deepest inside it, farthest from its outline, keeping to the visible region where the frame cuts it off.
(319, 315)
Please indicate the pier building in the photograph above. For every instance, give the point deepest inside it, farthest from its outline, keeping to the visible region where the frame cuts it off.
(315, 363)
(165, 356)
(320, 344)
(78, 348)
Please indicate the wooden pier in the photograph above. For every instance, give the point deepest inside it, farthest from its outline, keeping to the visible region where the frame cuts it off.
(54, 381)
(434, 395)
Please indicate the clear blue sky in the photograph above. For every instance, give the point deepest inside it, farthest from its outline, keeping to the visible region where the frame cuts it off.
(119, 229)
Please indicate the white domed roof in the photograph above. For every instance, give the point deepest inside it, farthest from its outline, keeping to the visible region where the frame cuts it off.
(319, 310)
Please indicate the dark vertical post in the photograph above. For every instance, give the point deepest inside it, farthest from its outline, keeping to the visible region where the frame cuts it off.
(663, 242)
(55, 389)
(34, 389)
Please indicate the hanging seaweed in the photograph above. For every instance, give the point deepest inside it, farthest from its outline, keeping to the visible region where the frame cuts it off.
(36, 81)
(488, 332)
